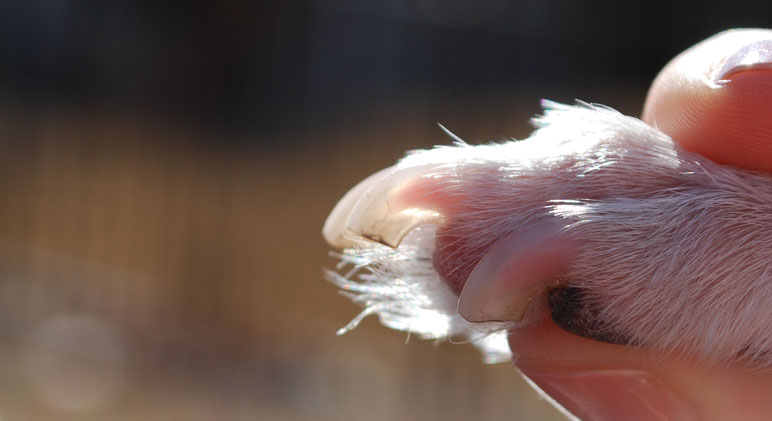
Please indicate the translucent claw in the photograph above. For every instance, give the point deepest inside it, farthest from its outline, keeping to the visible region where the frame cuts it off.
(334, 230)
(385, 207)
(391, 208)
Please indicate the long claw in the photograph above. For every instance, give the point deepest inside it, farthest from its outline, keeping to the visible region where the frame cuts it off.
(517, 269)
(384, 208)
(334, 230)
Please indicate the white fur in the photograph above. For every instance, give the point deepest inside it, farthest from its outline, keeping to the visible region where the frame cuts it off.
(678, 251)
(402, 287)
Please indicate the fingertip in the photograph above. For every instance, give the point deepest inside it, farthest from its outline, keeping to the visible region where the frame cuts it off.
(716, 99)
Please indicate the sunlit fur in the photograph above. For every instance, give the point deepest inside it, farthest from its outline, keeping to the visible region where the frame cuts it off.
(403, 289)
(678, 249)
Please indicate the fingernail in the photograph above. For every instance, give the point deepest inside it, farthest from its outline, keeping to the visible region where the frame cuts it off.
(517, 269)
(754, 56)
(613, 395)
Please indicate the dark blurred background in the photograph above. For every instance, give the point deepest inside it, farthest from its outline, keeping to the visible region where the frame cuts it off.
(166, 168)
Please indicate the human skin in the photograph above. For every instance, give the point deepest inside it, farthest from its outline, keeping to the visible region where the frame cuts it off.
(724, 117)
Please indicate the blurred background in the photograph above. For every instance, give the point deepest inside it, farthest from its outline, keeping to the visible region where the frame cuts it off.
(166, 169)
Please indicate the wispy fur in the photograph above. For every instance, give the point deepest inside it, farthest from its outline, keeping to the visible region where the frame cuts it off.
(402, 287)
(677, 252)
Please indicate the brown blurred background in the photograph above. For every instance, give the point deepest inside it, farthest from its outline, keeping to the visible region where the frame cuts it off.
(166, 170)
